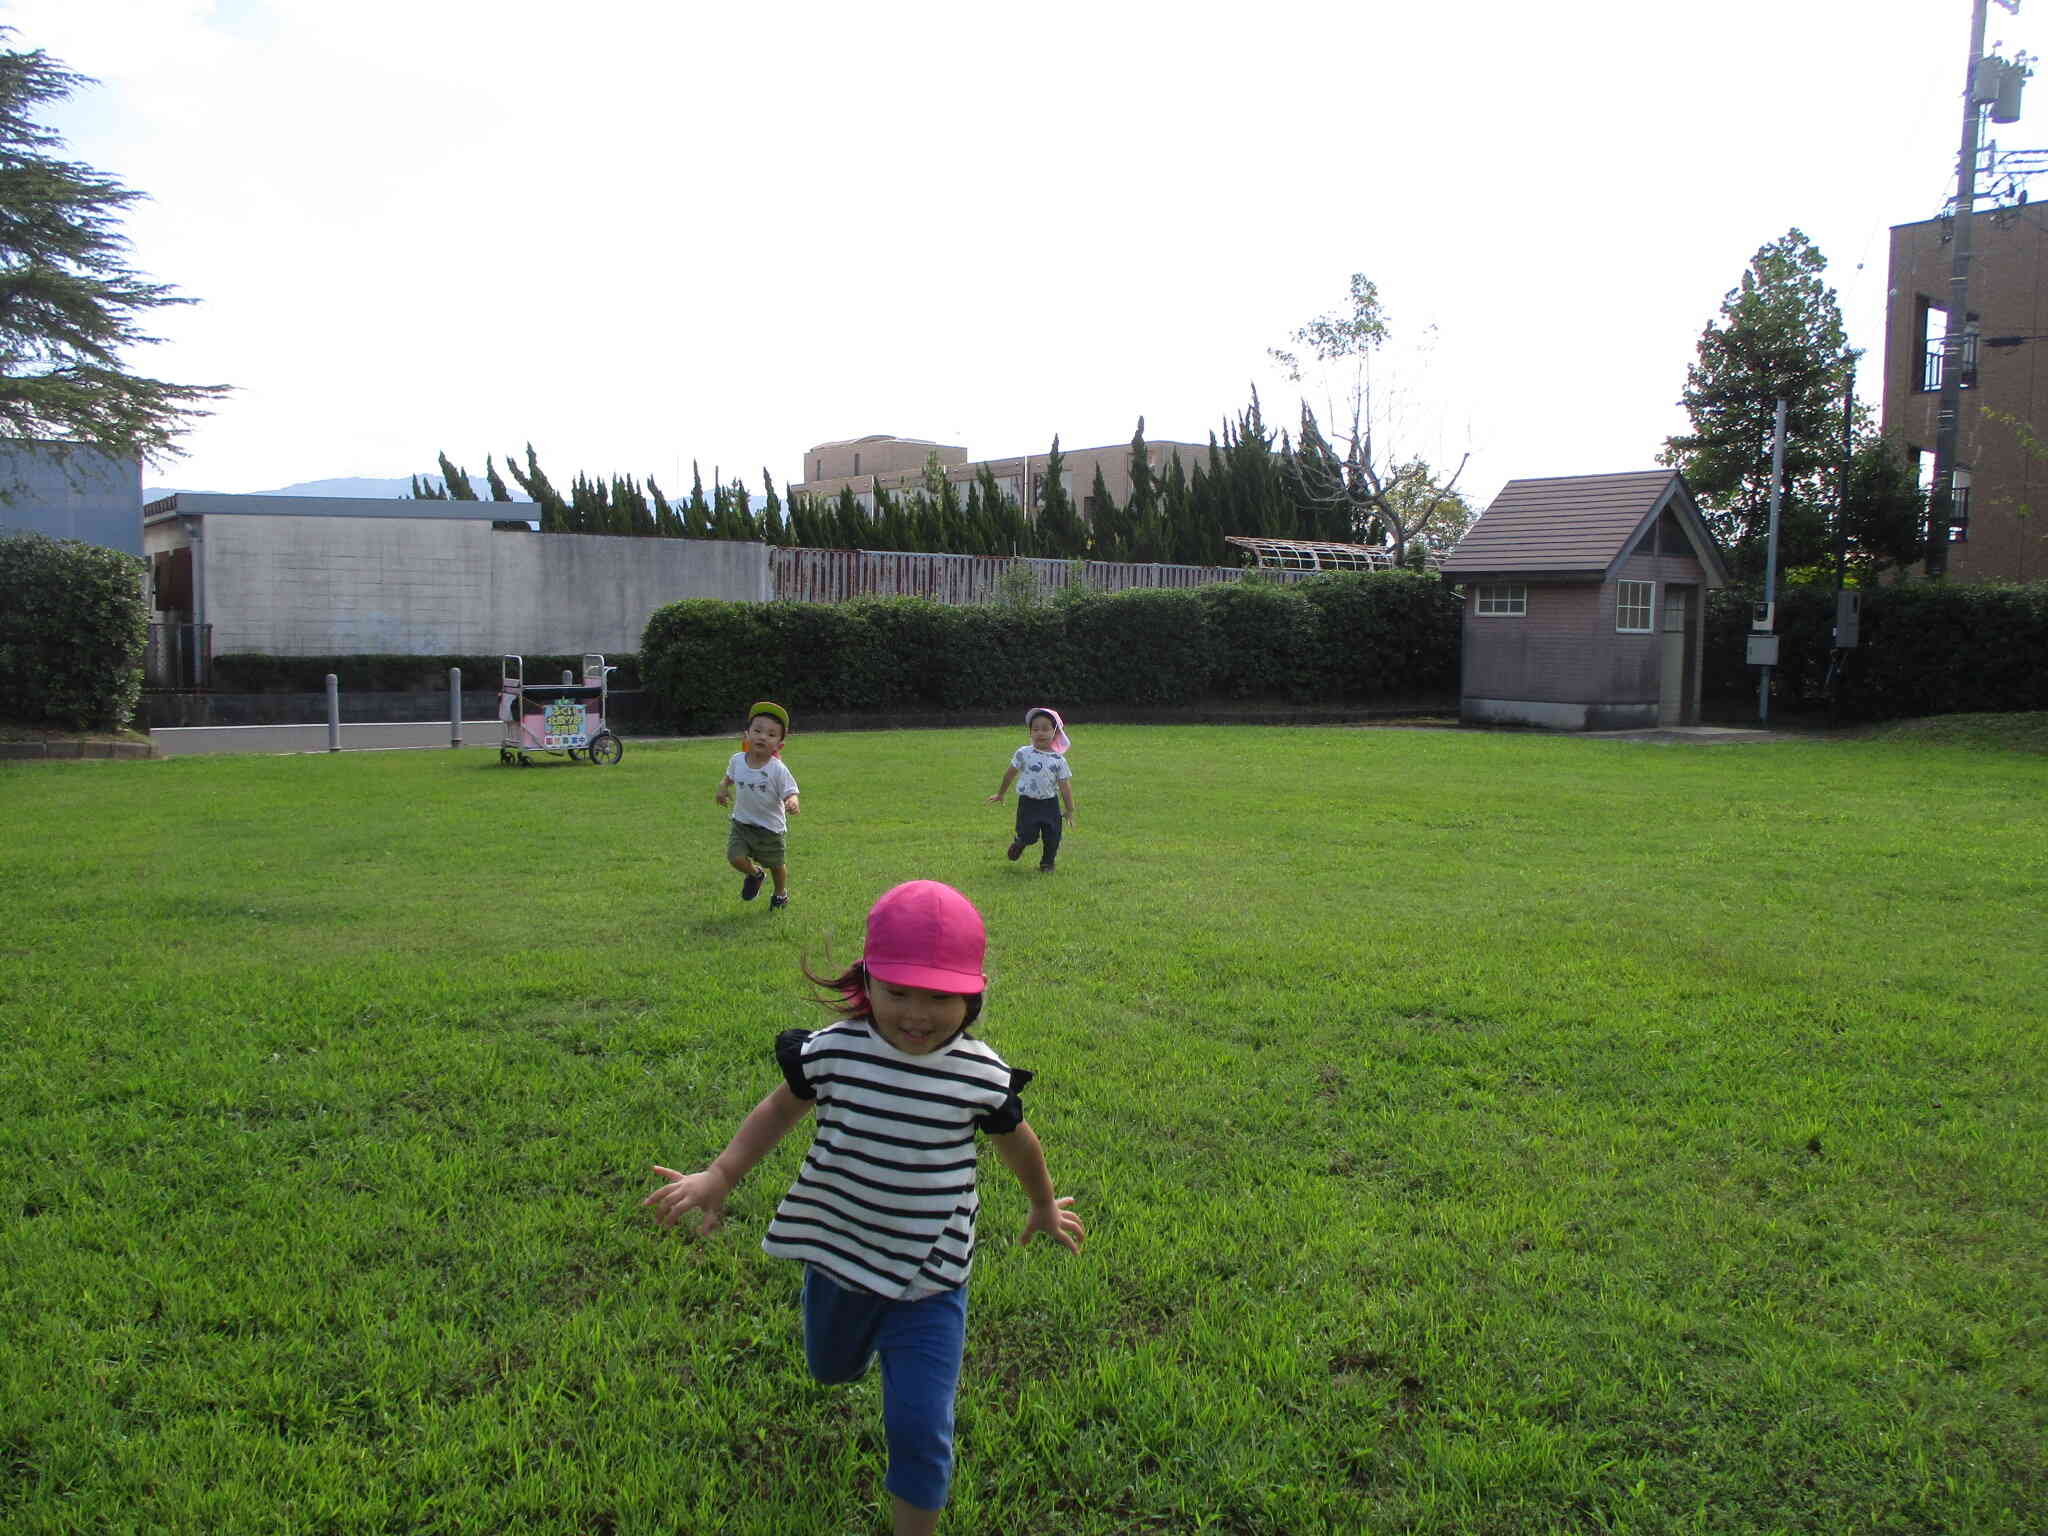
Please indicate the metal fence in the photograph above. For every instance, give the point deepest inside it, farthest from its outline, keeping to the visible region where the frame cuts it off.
(834, 575)
(178, 656)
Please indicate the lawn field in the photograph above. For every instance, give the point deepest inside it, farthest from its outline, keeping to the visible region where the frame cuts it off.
(1497, 1134)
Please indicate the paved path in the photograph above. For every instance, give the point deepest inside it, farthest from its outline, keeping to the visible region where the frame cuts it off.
(189, 740)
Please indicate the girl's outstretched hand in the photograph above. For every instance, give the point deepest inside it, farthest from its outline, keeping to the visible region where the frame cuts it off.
(685, 1192)
(1057, 1223)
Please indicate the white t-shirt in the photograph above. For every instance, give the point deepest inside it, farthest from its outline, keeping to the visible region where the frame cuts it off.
(758, 793)
(1039, 773)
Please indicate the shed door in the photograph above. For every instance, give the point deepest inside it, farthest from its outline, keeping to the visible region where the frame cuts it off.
(1676, 631)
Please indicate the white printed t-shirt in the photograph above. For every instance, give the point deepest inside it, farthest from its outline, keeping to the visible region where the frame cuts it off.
(1039, 773)
(758, 793)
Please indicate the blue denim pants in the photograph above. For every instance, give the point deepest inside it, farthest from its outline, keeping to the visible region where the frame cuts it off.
(919, 1343)
(1039, 818)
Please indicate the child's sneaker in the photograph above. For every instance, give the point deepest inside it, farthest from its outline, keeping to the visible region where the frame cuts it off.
(1016, 852)
(751, 886)
(1045, 866)
(778, 901)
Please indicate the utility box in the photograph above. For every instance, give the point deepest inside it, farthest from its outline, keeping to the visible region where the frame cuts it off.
(1848, 619)
(1763, 650)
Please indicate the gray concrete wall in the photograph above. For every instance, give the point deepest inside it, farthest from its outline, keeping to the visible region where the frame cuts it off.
(325, 586)
(71, 491)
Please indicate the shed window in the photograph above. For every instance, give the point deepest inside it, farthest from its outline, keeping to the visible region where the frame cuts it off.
(1632, 603)
(1502, 602)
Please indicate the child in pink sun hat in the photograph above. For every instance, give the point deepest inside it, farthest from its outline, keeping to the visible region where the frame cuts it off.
(883, 1209)
(1040, 772)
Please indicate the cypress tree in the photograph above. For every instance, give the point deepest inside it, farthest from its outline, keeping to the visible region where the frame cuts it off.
(1105, 523)
(456, 480)
(697, 516)
(774, 529)
(1059, 530)
(495, 481)
(667, 523)
(849, 523)
(1144, 530)
(554, 515)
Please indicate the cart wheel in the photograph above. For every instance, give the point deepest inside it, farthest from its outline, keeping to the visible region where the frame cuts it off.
(575, 755)
(606, 749)
(504, 754)
(525, 761)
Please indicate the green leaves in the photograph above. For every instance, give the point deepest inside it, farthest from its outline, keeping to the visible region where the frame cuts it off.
(1337, 637)
(70, 305)
(73, 624)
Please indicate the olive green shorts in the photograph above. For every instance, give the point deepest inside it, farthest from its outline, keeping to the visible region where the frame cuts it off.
(765, 848)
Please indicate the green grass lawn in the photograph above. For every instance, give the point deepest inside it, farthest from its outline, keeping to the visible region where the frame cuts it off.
(1477, 1134)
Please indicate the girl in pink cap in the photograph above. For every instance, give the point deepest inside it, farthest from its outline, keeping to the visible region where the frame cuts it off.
(1039, 770)
(883, 1209)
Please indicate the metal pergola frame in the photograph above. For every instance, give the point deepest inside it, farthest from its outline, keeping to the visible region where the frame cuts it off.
(1315, 554)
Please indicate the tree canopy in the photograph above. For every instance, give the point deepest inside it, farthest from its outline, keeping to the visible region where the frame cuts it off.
(70, 304)
(1779, 336)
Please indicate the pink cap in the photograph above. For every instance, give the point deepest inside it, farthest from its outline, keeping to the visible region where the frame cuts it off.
(924, 934)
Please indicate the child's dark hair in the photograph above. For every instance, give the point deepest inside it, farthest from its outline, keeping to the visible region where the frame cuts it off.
(1040, 714)
(848, 993)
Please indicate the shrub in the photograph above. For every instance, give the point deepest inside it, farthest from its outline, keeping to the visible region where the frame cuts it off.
(1262, 640)
(1938, 649)
(73, 626)
(1137, 647)
(1924, 649)
(1388, 634)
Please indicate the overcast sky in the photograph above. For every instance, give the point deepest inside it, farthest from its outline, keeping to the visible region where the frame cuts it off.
(641, 233)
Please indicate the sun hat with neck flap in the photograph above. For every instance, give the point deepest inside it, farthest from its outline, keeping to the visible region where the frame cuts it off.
(926, 934)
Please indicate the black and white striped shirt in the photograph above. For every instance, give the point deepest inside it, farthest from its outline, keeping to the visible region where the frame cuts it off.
(885, 1201)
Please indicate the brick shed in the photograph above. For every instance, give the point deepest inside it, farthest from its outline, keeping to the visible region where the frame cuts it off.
(1585, 603)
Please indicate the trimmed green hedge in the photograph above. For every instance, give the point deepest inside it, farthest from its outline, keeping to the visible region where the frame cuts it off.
(1333, 638)
(73, 625)
(1926, 649)
(249, 673)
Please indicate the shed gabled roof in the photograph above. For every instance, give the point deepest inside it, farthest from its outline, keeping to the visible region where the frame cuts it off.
(1578, 525)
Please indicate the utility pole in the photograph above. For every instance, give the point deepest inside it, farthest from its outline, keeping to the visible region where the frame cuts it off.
(1770, 602)
(1941, 504)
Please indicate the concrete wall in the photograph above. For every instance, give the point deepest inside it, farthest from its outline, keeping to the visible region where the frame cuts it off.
(71, 491)
(320, 586)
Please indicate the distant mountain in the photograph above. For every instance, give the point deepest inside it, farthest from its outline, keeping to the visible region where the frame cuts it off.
(369, 490)
(384, 490)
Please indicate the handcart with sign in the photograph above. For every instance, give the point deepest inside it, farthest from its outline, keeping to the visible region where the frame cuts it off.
(557, 718)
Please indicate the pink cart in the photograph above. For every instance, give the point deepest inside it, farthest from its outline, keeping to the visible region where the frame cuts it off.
(556, 717)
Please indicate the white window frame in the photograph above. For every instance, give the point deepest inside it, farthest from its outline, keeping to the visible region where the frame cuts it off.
(1500, 602)
(1647, 607)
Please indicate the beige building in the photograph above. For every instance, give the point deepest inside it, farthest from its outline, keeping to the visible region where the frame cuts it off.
(897, 464)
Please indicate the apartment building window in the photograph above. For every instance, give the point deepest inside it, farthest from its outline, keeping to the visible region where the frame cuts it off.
(856, 463)
(1501, 602)
(1633, 601)
(1933, 337)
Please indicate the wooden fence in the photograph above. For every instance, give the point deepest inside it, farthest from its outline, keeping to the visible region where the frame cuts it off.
(833, 575)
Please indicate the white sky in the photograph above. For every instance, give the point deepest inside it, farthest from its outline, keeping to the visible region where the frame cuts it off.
(641, 231)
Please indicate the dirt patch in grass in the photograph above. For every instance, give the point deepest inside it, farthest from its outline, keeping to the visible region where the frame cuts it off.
(14, 730)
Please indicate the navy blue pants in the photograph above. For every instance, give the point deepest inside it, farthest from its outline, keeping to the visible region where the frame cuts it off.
(919, 1343)
(1039, 818)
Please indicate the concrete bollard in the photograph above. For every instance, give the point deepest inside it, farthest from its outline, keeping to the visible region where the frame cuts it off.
(333, 713)
(455, 706)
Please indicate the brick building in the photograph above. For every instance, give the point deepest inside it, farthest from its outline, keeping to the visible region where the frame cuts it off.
(2005, 371)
